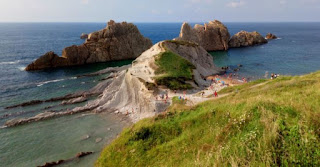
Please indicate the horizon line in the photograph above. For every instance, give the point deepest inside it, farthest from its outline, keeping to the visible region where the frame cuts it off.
(159, 22)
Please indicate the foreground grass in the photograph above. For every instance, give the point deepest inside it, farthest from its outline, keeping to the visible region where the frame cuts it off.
(173, 71)
(264, 123)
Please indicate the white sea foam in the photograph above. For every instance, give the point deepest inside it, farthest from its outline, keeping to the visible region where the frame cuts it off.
(2, 127)
(21, 68)
(52, 81)
(9, 62)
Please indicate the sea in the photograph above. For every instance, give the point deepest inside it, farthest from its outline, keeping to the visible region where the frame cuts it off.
(295, 52)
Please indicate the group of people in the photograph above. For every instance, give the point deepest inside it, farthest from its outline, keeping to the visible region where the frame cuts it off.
(163, 97)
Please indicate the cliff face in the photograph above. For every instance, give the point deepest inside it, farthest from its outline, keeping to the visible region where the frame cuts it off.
(244, 39)
(213, 36)
(118, 41)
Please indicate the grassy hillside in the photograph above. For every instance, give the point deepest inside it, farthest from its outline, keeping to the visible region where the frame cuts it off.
(173, 70)
(262, 123)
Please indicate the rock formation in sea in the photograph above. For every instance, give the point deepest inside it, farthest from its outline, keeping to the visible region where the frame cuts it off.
(118, 41)
(212, 36)
(244, 39)
(84, 36)
(271, 36)
(132, 89)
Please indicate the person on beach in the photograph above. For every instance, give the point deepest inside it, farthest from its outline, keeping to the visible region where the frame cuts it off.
(215, 94)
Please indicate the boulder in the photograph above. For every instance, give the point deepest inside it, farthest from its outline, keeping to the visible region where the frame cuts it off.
(84, 36)
(118, 41)
(271, 36)
(212, 36)
(244, 39)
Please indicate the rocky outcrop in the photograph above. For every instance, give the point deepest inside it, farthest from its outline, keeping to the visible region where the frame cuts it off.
(84, 36)
(48, 60)
(271, 36)
(244, 39)
(212, 36)
(118, 41)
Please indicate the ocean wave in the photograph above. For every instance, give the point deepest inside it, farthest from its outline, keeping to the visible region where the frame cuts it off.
(9, 62)
(52, 81)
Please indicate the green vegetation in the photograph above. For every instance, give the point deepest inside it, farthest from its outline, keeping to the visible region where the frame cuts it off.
(173, 71)
(263, 123)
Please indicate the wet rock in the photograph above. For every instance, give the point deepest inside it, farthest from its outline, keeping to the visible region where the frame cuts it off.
(98, 140)
(271, 36)
(82, 154)
(75, 100)
(85, 137)
(84, 36)
(33, 102)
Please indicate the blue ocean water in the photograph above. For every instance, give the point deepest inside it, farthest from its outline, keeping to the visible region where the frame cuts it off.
(295, 52)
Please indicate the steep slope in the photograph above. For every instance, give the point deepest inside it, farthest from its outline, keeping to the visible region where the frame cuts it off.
(262, 123)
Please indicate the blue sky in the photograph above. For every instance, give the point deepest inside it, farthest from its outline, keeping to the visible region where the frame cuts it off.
(159, 10)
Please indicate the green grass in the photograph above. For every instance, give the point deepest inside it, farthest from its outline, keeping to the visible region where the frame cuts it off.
(263, 123)
(173, 71)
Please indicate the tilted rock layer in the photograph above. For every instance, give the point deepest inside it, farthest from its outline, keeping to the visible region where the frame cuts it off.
(212, 36)
(244, 39)
(118, 41)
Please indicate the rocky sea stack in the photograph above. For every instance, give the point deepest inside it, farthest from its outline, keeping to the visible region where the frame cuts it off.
(118, 41)
(212, 36)
(244, 39)
(271, 36)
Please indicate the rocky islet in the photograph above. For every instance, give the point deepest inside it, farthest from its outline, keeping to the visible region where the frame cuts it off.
(118, 41)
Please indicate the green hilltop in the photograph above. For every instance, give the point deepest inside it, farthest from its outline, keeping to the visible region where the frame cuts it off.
(261, 123)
